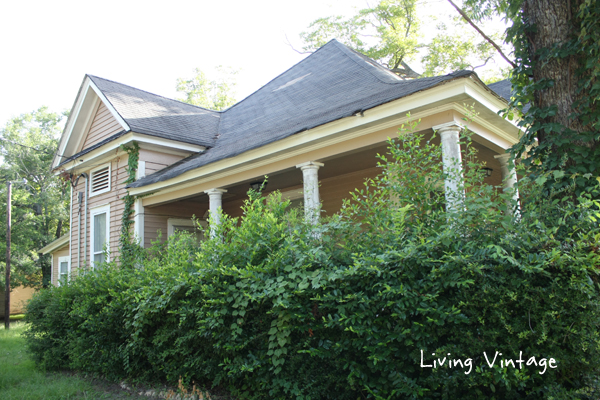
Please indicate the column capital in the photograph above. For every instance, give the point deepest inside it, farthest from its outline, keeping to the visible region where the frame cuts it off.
(310, 165)
(215, 191)
(448, 127)
(503, 159)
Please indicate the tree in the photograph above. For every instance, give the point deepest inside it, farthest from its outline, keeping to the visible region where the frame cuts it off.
(214, 94)
(392, 33)
(556, 85)
(40, 206)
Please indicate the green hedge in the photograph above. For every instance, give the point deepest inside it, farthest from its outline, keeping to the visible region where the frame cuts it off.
(275, 308)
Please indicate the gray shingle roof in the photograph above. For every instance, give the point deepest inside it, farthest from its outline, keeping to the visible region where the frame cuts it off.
(502, 88)
(155, 115)
(332, 83)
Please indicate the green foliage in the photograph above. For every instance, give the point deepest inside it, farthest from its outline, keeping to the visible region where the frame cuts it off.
(562, 131)
(273, 307)
(40, 208)
(397, 34)
(127, 245)
(214, 94)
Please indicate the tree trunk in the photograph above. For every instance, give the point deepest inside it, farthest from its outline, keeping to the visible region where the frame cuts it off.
(553, 25)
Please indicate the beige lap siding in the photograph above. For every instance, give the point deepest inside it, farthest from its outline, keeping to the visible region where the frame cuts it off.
(112, 198)
(156, 161)
(103, 126)
(156, 218)
(62, 252)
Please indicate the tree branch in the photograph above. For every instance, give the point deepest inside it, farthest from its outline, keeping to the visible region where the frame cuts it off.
(406, 71)
(297, 51)
(466, 17)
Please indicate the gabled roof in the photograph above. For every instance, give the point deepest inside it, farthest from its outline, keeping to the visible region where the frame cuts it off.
(155, 115)
(332, 83)
(55, 245)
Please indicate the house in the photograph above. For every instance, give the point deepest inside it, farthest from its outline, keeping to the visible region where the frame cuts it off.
(314, 130)
(19, 297)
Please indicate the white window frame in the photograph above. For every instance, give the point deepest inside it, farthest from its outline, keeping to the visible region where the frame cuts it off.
(173, 222)
(109, 179)
(94, 212)
(66, 259)
(293, 194)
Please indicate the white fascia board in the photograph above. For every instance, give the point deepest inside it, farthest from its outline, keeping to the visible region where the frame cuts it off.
(378, 118)
(108, 150)
(167, 143)
(483, 96)
(110, 107)
(73, 116)
(57, 244)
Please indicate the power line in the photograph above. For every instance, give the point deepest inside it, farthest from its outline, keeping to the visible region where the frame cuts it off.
(32, 148)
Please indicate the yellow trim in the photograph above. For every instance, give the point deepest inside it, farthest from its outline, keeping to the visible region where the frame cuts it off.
(376, 119)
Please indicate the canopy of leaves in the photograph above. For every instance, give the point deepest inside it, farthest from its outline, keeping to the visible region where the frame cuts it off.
(214, 94)
(556, 85)
(39, 206)
(402, 37)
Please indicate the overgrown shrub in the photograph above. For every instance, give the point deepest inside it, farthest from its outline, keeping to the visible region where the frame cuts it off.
(275, 308)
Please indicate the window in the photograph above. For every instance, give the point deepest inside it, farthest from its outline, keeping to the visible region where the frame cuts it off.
(295, 196)
(185, 225)
(100, 180)
(63, 270)
(99, 234)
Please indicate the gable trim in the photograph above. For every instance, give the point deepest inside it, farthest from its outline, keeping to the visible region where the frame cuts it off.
(81, 117)
(110, 107)
(55, 245)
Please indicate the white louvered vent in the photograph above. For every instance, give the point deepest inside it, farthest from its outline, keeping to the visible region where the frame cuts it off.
(100, 180)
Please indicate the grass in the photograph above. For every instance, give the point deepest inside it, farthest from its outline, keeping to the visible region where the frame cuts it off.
(20, 379)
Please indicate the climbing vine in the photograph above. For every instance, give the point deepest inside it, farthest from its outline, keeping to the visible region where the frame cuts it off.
(128, 246)
(556, 87)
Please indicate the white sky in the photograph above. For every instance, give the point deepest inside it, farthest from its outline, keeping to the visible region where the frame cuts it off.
(47, 46)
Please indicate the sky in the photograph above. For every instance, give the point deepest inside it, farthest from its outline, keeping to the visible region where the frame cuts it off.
(46, 47)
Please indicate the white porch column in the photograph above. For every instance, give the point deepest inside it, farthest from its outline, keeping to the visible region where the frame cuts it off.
(138, 208)
(509, 177)
(452, 160)
(310, 176)
(215, 203)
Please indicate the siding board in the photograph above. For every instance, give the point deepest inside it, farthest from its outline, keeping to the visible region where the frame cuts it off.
(103, 125)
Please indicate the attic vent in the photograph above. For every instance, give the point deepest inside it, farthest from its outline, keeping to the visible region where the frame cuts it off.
(100, 180)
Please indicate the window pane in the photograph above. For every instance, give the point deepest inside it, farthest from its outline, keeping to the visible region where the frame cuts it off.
(181, 228)
(99, 232)
(298, 203)
(98, 258)
(64, 267)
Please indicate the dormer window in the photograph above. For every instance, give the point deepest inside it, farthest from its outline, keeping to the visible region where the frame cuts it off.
(100, 180)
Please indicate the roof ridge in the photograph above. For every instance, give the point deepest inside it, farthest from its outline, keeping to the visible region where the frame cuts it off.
(154, 94)
(281, 74)
(381, 67)
(345, 48)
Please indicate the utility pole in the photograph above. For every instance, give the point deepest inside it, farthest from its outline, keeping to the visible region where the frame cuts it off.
(7, 286)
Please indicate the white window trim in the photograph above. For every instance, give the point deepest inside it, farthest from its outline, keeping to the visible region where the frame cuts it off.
(93, 212)
(109, 179)
(173, 222)
(293, 194)
(66, 259)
